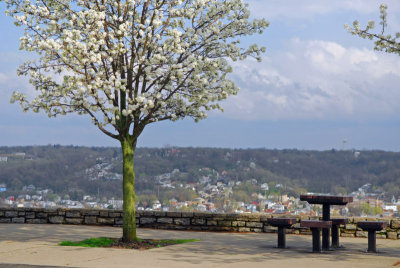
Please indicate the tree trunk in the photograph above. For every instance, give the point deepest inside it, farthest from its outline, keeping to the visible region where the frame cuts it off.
(129, 210)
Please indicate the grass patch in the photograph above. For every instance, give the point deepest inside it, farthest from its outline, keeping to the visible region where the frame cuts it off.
(118, 243)
(90, 243)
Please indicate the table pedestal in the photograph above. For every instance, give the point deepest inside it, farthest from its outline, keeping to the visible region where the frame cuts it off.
(281, 237)
(372, 241)
(326, 216)
(335, 236)
(316, 242)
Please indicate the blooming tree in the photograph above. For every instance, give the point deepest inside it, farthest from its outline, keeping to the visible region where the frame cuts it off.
(130, 63)
(383, 42)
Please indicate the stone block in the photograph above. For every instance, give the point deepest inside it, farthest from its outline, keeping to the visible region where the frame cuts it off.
(182, 221)
(269, 229)
(11, 214)
(265, 218)
(216, 218)
(382, 232)
(36, 221)
(256, 230)
(18, 220)
(73, 214)
(1, 213)
(349, 231)
(147, 213)
(165, 220)
(73, 220)
(92, 213)
(174, 214)
(41, 215)
(139, 213)
(395, 224)
(254, 224)
(51, 212)
(347, 234)
(362, 234)
(212, 223)
(230, 216)
(381, 236)
(238, 223)
(305, 231)
(114, 214)
(104, 213)
(56, 219)
(159, 213)
(61, 213)
(292, 231)
(198, 221)
(296, 225)
(105, 221)
(21, 213)
(243, 229)
(225, 223)
(249, 217)
(147, 220)
(350, 219)
(119, 221)
(187, 214)
(204, 215)
(30, 215)
(90, 220)
(355, 220)
(5, 220)
(392, 235)
(351, 227)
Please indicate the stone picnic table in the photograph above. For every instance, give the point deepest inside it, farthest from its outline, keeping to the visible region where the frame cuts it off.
(326, 201)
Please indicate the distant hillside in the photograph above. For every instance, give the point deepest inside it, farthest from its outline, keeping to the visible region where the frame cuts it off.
(93, 170)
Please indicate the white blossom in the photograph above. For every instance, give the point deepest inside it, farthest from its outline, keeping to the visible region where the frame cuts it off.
(384, 42)
(166, 61)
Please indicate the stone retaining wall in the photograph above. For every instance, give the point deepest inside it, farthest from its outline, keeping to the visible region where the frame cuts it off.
(199, 221)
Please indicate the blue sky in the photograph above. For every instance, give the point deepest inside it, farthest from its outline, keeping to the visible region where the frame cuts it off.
(317, 85)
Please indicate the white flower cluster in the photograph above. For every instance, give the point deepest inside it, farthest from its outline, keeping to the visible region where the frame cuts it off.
(383, 42)
(130, 63)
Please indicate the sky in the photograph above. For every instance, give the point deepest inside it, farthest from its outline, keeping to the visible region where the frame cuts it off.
(316, 87)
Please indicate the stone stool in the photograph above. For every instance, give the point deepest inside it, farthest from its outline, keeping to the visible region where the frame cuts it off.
(335, 230)
(316, 227)
(372, 227)
(282, 224)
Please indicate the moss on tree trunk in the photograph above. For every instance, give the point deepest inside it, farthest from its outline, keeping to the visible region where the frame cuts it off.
(129, 220)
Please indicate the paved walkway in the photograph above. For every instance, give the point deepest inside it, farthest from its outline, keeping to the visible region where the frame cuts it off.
(24, 245)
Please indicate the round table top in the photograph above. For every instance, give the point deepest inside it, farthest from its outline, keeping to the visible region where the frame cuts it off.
(326, 199)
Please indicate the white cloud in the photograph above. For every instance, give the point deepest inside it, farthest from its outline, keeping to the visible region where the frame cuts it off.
(317, 79)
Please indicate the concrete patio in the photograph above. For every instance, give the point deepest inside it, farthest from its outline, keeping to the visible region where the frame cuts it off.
(24, 245)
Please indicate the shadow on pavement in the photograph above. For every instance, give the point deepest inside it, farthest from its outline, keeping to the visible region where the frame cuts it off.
(214, 248)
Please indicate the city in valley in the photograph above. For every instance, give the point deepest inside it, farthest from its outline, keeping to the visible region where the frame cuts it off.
(199, 179)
